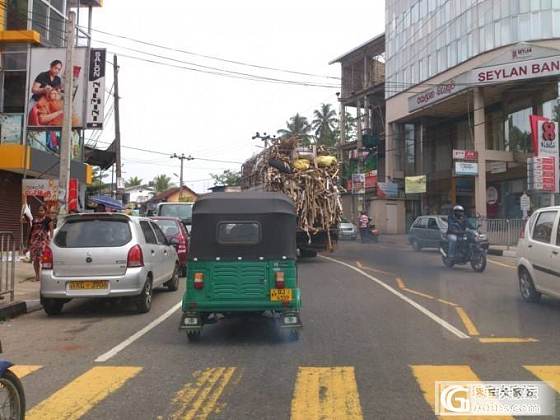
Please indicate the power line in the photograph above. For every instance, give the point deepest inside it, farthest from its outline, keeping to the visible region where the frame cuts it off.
(164, 47)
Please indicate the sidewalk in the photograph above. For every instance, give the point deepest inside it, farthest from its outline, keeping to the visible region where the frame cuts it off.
(26, 293)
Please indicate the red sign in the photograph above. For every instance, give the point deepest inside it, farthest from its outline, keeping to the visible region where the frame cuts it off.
(73, 194)
(371, 181)
(471, 155)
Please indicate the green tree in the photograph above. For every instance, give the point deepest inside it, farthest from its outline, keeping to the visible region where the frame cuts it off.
(98, 186)
(324, 124)
(227, 178)
(297, 126)
(133, 181)
(162, 183)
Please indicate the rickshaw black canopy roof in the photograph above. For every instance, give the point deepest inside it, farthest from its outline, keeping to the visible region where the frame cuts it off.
(274, 212)
(244, 203)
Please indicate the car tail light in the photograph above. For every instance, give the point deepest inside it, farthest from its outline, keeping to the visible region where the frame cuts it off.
(47, 259)
(135, 257)
(198, 280)
(279, 279)
(182, 247)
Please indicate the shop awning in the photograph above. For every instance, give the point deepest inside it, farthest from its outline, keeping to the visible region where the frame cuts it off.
(102, 158)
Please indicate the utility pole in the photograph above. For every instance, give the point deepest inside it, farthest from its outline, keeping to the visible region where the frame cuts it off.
(118, 173)
(182, 158)
(66, 138)
(265, 138)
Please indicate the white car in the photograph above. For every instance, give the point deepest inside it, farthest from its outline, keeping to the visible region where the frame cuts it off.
(538, 253)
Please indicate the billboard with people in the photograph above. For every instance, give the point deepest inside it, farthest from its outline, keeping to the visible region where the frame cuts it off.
(47, 96)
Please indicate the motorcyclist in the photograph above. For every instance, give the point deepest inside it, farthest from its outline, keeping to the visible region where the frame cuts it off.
(456, 225)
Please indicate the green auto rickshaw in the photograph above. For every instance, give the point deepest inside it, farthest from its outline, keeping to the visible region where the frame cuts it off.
(242, 261)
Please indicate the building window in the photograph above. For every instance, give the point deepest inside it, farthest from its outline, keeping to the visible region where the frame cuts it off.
(518, 131)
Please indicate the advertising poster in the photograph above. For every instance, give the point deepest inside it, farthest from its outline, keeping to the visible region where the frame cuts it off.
(46, 188)
(47, 96)
(415, 184)
(466, 168)
(11, 126)
(358, 183)
(96, 88)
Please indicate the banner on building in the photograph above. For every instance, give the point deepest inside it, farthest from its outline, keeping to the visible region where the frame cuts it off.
(542, 170)
(47, 96)
(45, 188)
(415, 184)
(542, 174)
(387, 190)
(96, 88)
(358, 184)
(73, 192)
(11, 128)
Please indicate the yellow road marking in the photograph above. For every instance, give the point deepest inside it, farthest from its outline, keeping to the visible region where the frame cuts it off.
(447, 302)
(418, 293)
(326, 392)
(501, 264)
(549, 374)
(23, 370)
(81, 395)
(200, 399)
(400, 283)
(428, 375)
(469, 325)
(498, 340)
(375, 270)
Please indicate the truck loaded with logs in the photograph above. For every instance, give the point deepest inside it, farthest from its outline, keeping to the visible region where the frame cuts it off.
(309, 176)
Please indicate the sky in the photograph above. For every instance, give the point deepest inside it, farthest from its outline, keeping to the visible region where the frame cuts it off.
(172, 110)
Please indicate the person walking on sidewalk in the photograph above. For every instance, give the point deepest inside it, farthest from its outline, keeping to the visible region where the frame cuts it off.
(40, 233)
(363, 222)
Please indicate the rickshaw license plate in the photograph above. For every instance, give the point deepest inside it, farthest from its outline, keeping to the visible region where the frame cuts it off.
(282, 295)
(88, 285)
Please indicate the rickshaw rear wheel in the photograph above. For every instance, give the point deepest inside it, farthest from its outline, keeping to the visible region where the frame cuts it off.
(193, 335)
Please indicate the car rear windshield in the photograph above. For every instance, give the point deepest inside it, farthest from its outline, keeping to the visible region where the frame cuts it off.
(93, 233)
(239, 233)
(168, 227)
(182, 211)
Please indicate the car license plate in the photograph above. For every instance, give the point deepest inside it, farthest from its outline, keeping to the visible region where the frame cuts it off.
(282, 295)
(88, 285)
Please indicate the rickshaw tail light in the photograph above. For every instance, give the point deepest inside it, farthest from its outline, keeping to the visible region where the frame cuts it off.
(279, 277)
(47, 259)
(198, 280)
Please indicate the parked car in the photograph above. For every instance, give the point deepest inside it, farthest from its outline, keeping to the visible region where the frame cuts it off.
(175, 232)
(427, 231)
(183, 211)
(347, 230)
(106, 255)
(538, 253)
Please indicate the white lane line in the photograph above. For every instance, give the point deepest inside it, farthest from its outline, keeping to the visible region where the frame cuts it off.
(412, 303)
(500, 264)
(106, 356)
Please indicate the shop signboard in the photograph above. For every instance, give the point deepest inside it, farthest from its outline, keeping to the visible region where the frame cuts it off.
(491, 195)
(96, 88)
(46, 188)
(415, 184)
(11, 126)
(497, 167)
(470, 155)
(466, 168)
(542, 170)
(542, 174)
(439, 92)
(370, 181)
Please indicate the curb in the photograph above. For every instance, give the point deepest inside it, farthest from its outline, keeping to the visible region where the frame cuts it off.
(18, 308)
(502, 252)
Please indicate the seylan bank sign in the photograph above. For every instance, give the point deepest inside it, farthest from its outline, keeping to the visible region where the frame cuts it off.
(522, 62)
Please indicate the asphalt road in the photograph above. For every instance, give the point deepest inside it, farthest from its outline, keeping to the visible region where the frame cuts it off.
(381, 324)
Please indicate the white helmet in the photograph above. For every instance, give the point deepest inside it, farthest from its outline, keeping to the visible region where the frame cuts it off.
(459, 208)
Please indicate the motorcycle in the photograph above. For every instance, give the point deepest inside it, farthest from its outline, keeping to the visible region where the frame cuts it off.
(472, 247)
(12, 397)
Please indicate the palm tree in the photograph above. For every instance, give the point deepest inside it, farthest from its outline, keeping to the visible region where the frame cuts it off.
(324, 124)
(162, 183)
(133, 182)
(296, 126)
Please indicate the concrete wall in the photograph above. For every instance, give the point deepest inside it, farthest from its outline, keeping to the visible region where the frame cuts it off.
(379, 213)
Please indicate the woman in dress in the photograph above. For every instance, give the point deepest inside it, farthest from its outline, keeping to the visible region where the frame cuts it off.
(39, 236)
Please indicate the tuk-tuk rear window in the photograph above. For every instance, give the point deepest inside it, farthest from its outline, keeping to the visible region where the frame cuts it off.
(239, 233)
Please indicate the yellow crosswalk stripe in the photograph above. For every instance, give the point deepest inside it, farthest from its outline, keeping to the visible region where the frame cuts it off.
(428, 375)
(548, 374)
(200, 399)
(23, 370)
(81, 395)
(326, 393)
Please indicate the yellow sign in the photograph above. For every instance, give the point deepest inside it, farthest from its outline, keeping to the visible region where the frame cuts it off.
(415, 184)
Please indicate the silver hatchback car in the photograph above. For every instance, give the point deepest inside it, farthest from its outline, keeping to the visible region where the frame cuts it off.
(105, 255)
